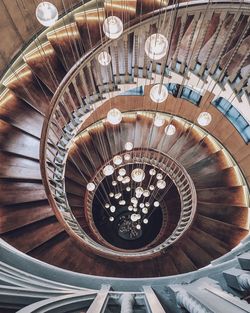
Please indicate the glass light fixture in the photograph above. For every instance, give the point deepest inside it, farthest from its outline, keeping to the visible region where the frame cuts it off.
(112, 208)
(145, 211)
(138, 195)
(135, 209)
(111, 194)
(112, 27)
(134, 200)
(151, 187)
(159, 176)
(127, 156)
(122, 202)
(145, 220)
(104, 58)
(147, 204)
(128, 188)
(111, 219)
(114, 116)
(130, 208)
(119, 178)
(141, 205)
(122, 171)
(90, 186)
(152, 172)
(158, 120)
(126, 180)
(139, 190)
(161, 184)
(170, 130)
(114, 183)
(156, 46)
(138, 175)
(117, 159)
(138, 226)
(133, 217)
(108, 170)
(128, 146)
(46, 13)
(204, 119)
(107, 205)
(118, 195)
(156, 204)
(146, 193)
(158, 93)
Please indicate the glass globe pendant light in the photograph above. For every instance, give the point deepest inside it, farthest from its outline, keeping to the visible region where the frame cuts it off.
(204, 119)
(114, 116)
(112, 27)
(138, 175)
(128, 146)
(158, 93)
(156, 46)
(161, 184)
(170, 130)
(90, 186)
(108, 170)
(104, 58)
(117, 159)
(158, 120)
(46, 13)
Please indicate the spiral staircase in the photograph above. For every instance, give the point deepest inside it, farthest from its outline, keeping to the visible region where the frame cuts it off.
(53, 96)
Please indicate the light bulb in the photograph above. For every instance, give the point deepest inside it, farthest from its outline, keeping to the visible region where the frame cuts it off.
(133, 217)
(112, 27)
(108, 170)
(130, 208)
(128, 188)
(145, 220)
(114, 183)
(141, 205)
(135, 209)
(156, 46)
(122, 172)
(145, 211)
(147, 204)
(128, 146)
(152, 172)
(127, 156)
(118, 195)
(138, 226)
(138, 175)
(146, 193)
(90, 186)
(112, 208)
(158, 93)
(139, 190)
(111, 194)
(204, 119)
(107, 205)
(114, 116)
(161, 184)
(126, 180)
(151, 187)
(104, 58)
(46, 13)
(134, 200)
(111, 219)
(122, 202)
(156, 204)
(159, 176)
(158, 120)
(117, 159)
(119, 178)
(170, 130)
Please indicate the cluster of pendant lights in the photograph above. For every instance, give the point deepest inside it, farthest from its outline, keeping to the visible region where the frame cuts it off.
(156, 47)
